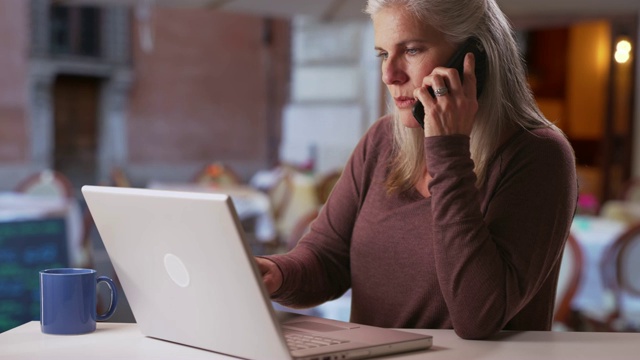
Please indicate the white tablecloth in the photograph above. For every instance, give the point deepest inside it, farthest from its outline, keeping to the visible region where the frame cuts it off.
(248, 202)
(595, 234)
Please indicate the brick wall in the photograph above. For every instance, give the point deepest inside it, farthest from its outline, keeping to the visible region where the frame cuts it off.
(211, 89)
(13, 81)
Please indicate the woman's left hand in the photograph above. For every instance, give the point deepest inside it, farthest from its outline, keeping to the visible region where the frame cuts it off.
(454, 112)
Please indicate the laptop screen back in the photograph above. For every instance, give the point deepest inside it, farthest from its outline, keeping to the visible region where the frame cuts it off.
(187, 273)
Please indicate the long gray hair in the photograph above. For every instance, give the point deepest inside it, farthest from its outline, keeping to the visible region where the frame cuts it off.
(506, 97)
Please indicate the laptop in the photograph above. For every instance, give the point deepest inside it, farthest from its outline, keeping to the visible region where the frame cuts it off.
(190, 278)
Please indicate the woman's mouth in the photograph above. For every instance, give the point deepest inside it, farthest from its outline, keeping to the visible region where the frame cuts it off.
(404, 102)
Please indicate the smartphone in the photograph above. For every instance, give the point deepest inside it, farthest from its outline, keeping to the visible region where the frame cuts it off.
(471, 45)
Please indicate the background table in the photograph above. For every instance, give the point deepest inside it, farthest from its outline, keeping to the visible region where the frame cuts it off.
(124, 341)
(595, 234)
(249, 202)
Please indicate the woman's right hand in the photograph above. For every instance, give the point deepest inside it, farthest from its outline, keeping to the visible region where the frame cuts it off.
(271, 274)
(454, 112)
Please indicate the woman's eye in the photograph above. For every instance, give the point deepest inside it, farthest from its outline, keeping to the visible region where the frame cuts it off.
(382, 55)
(412, 51)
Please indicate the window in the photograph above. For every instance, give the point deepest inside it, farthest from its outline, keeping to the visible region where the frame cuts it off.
(75, 30)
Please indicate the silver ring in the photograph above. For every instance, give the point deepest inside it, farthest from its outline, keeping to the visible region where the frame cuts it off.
(441, 91)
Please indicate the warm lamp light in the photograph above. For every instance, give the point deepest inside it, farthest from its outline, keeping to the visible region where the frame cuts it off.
(623, 45)
(621, 57)
(623, 51)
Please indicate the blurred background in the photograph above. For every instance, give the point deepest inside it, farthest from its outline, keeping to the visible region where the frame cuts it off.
(265, 100)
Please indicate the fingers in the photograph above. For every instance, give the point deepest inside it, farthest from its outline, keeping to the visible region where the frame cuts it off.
(444, 77)
(271, 274)
(439, 86)
(422, 94)
(470, 75)
(452, 110)
(435, 93)
(431, 124)
(450, 78)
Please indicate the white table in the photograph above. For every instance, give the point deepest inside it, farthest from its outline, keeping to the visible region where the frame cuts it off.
(124, 341)
(625, 211)
(249, 202)
(595, 234)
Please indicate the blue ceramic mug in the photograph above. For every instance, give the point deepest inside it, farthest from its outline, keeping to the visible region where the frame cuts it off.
(68, 299)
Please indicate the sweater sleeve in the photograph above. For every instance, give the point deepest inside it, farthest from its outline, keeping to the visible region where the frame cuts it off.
(492, 258)
(318, 268)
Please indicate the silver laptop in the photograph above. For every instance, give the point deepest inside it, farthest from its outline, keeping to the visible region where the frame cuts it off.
(190, 278)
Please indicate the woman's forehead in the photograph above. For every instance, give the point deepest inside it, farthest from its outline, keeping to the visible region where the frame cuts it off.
(396, 24)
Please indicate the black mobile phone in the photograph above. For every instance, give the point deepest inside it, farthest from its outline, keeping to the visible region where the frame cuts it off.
(471, 45)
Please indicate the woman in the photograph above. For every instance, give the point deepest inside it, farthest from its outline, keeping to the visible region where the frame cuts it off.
(460, 225)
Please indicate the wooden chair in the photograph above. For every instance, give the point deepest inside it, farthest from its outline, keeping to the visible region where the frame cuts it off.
(119, 178)
(568, 282)
(325, 185)
(281, 193)
(47, 183)
(619, 269)
(51, 183)
(631, 190)
(217, 173)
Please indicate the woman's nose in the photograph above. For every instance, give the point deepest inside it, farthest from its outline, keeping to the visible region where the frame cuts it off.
(392, 73)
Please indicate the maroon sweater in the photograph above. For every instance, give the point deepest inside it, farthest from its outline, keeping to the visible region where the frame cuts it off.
(475, 260)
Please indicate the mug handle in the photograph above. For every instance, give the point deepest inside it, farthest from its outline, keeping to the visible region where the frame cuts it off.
(114, 298)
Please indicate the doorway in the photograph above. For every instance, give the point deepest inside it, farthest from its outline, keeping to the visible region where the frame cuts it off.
(76, 106)
(589, 95)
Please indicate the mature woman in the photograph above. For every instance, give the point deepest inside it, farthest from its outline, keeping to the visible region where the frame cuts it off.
(458, 225)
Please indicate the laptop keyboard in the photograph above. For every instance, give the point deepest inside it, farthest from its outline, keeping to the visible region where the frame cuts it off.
(301, 341)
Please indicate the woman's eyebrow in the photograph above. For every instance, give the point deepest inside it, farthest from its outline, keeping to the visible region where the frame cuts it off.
(404, 43)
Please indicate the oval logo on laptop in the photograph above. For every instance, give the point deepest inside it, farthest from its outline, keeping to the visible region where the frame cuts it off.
(176, 270)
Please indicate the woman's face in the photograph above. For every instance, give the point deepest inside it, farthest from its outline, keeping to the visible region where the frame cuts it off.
(409, 50)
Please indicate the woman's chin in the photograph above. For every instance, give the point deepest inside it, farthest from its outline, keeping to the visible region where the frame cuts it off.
(407, 119)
